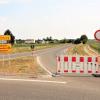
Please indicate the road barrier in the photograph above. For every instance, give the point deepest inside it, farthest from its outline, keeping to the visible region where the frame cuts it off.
(77, 64)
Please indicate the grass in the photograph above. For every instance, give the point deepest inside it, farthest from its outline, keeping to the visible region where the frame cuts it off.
(26, 66)
(95, 45)
(26, 47)
(20, 49)
(77, 49)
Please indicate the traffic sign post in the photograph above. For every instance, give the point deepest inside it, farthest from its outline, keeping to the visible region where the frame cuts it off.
(5, 46)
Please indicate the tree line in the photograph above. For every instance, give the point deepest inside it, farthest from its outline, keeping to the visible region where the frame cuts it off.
(83, 39)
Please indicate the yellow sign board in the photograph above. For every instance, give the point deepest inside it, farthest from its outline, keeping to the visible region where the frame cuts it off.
(5, 47)
(5, 37)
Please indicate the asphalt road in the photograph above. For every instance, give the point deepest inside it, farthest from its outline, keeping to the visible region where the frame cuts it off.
(35, 53)
(48, 60)
(76, 88)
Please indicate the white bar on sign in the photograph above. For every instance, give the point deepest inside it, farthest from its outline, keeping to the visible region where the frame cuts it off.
(97, 66)
(90, 66)
(77, 64)
(70, 65)
(94, 64)
(58, 64)
(85, 65)
(66, 65)
(81, 66)
(62, 63)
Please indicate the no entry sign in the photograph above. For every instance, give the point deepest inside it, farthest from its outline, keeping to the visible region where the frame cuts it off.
(97, 35)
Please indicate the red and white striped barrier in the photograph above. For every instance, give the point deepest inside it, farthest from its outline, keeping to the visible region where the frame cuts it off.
(77, 64)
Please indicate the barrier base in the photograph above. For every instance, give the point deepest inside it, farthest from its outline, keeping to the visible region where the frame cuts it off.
(96, 75)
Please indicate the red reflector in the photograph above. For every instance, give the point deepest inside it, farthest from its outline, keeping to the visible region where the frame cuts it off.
(89, 71)
(81, 71)
(96, 59)
(73, 59)
(65, 70)
(89, 59)
(81, 59)
(97, 71)
(66, 59)
(73, 71)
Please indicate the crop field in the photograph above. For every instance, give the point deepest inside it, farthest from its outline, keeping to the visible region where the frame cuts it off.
(27, 47)
(77, 49)
(95, 45)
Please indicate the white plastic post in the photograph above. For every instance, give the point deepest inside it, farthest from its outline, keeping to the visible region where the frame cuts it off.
(90, 60)
(85, 65)
(94, 64)
(81, 64)
(66, 59)
(70, 64)
(58, 64)
(62, 64)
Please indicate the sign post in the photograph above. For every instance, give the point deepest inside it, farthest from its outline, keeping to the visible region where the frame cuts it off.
(5, 46)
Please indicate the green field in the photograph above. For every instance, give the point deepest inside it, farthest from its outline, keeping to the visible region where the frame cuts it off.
(95, 45)
(27, 47)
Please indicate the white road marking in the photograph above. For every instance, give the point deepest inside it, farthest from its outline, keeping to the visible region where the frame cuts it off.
(30, 80)
(38, 60)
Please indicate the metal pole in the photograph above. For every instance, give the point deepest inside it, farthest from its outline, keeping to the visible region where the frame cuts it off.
(3, 61)
(9, 60)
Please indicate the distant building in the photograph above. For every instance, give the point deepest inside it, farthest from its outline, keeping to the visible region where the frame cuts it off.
(38, 41)
(44, 42)
(29, 41)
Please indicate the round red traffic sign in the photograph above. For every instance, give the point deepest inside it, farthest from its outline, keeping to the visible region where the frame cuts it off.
(97, 35)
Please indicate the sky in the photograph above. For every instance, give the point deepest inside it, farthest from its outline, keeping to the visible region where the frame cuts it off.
(28, 19)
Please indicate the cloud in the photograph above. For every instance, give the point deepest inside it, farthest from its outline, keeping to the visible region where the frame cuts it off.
(4, 1)
(23, 1)
(3, 24)
(15, 1)
(3, 19)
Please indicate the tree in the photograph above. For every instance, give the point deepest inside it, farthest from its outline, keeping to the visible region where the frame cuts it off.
(70, 41)
(49, 38)
(77, 41)
(84, 39)
(63, 41)
(8, 32)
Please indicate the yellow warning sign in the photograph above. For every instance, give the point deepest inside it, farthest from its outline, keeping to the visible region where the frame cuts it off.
(5, 37)
(5, 48)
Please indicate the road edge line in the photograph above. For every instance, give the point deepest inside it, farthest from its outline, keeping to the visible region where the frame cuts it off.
(31, 80)
(41, 65)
